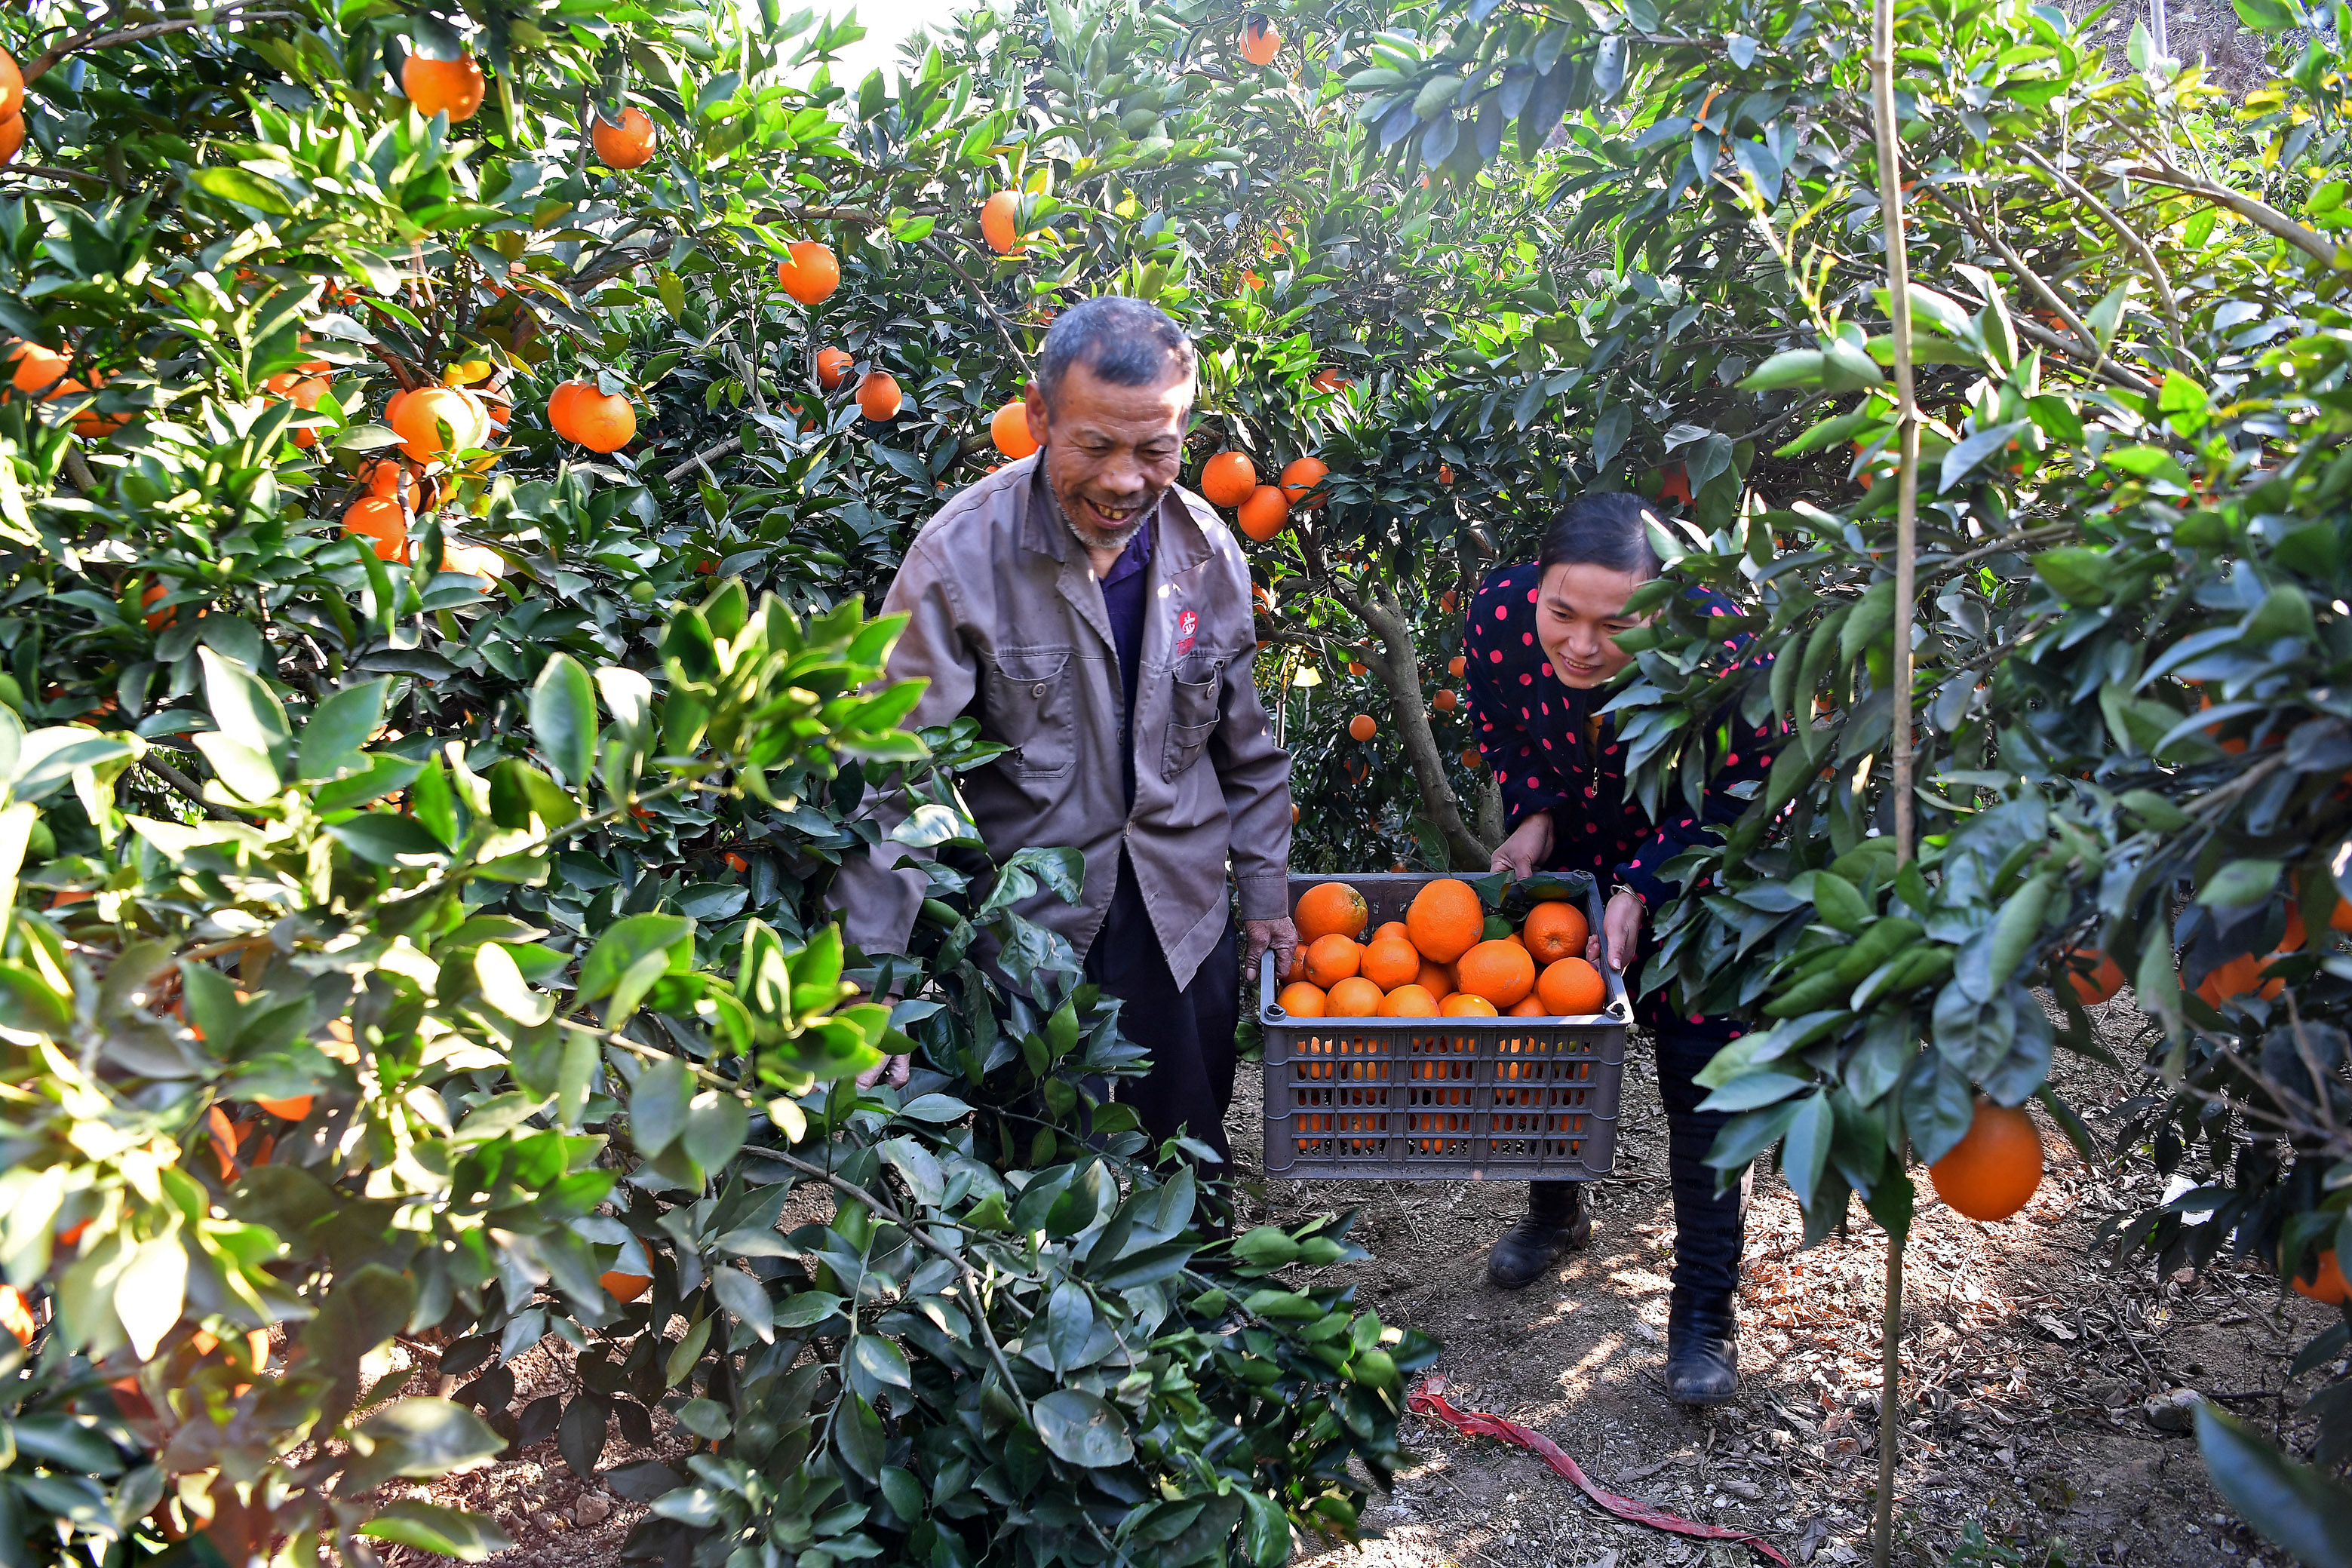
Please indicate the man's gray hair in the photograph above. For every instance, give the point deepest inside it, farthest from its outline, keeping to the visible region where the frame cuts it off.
(1127, 342)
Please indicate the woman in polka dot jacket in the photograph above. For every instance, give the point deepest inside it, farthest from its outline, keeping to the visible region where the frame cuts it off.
(1540, 647)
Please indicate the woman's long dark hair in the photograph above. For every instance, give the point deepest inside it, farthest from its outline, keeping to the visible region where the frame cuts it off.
(1607, 530)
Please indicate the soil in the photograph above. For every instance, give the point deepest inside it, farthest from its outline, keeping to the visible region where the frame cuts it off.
(2028, 1357)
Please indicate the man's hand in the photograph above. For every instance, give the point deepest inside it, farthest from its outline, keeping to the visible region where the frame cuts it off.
(1280, 936)
(1524, 852)
(1620, 936)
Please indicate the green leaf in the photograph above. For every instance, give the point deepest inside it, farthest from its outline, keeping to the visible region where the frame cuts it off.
(150, 1291)
(244, 188)
(421, 1438)
(659, 1106)
(1840, 902)
(1790, 368)
(2241, 883)
(382, 838)
(564, 718)
(857, 1436)
(333, 742)
(1078, 1426)
(625, 943)
(1806, 1154)
(2303, 1510)
(505, 989)
(443, 1532)
(716, 1126)
(246, 710)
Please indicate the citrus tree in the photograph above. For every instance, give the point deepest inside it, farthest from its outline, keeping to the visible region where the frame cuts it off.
(446, 451)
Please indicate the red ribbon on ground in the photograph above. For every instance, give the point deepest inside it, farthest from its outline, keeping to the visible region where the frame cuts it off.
(1428, 1398)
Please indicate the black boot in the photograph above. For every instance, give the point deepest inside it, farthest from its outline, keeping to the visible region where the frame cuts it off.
(1557, 1220)
(1702, 1349)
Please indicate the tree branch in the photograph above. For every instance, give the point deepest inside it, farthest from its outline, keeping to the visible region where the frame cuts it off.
(181, 784)
(2124, 230)
(732, 444)
(92, 38)
(2264, 216)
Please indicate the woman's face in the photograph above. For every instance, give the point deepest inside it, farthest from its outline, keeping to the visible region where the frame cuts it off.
(1579, 611)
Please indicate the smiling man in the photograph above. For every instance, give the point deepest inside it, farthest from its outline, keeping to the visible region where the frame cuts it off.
(1094, 617)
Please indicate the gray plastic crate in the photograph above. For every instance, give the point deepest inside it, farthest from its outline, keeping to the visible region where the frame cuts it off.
(1440, 1099)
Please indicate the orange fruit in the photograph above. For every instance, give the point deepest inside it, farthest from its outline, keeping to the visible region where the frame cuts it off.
(877, 396)
(1529, 1007)
(809, 272)
(1000, 223)
(1499, 971)
(1259, 41)
(1009, 428)
(387, 478)
(627, 1287)
(1572, 989)
(1445, 473)
(479, 561)
(379, 520)
(1991, 1172)
(832, 368)
(2328, 1285)
(1301, 999)
(596, 420)
(1445, 701)
(1436, 978)
(1362, 728)
(1298, 482)
(443, 87)
(12, 86)
(1673, 484)
(1328, 909)
(1389, 928)
(1228, 479)
(2105, 980)
(1354, 997)
(628, 144)
(421, 414)
(1556, 929)
(160, 619)
(1330, 959)
(1328, 380)
(1467, 1005)
(37, 368)
(1446, 920)
(2237, 978)
(1263, 515)
(1470, 757)
(1408, 1002)
(293, 1108)
(1455, 665)
(1391, 962)
(16, 1314)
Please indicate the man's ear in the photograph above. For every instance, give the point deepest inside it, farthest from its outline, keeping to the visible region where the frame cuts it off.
(1034, 398)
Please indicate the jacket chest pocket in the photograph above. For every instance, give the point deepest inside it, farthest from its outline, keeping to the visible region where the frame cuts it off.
(1193, 688)
(1032, 709)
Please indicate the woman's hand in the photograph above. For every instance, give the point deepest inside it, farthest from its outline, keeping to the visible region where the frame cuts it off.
(1620, 937)
(1524, 852)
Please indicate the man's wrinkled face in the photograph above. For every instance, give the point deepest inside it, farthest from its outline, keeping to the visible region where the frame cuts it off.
(1110, 451)
(1579, 611)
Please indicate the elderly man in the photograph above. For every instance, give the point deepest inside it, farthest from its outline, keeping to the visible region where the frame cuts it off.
(1095, 618)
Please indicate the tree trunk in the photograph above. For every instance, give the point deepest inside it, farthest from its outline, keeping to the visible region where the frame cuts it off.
(1399, 668)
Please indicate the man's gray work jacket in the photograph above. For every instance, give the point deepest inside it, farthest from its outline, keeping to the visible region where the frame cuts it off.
(1006, 622)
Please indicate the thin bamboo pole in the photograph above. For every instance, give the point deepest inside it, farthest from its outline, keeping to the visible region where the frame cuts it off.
(1907, 549)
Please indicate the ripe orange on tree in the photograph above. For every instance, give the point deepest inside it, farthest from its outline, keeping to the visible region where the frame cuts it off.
(1467, 1005)
(379, 520)
(303, 393)
(1556, 929)
(1445, 473)
(1470, 757)
(1228, 479)
(2104, 980)
(600, 422)
(1673, 484)
(809, 272)
(159, 619)
(1264, 514)
(833, 366)
(1000, 221)
(2237, 978)
(1990, 1173)
(1362, 728)
(12, 87)
(2327, 1285)
(1572, 989)
(1445, 701)
(1259, 41)
(1009, 428)
(625, 143)
(1330, 909)
(1408, 1002)
(1389, 962)
(477, 561)
(443, 87)
(1353, 997)
(1455, 665)
(16, 1314)
(1446, 919)
(1499, 971)
(419, 418)
(1299, 481)
(35, 368)
(877, 396)
(626, 1287)
(1334, 959)
(11, 139)
(293, 1108)
(1329, 379)
(1301, 998)
(386, 477)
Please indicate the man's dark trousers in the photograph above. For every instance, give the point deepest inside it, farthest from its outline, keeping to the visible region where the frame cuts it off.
(1709, 1230)
(1188, 1032)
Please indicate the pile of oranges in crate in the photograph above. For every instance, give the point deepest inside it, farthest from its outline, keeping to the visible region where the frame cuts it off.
(1444, 959)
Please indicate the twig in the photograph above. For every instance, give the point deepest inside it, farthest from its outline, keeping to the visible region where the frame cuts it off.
(733, 443)
(91, 39)
(183, 785)
(50, 172)
(2313, 245)
(2124, 230)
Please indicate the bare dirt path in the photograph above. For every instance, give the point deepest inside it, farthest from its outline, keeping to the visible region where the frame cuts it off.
(2030, 1357)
